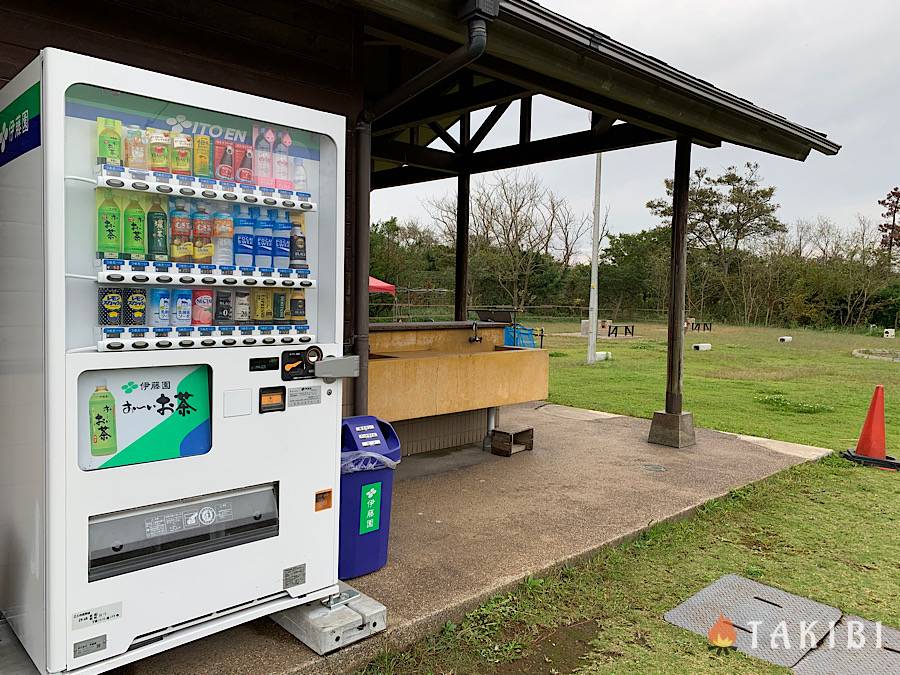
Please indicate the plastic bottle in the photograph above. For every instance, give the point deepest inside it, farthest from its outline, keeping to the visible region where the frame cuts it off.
(281, 161)
(180, 245)
(102, 412)
(262, 236)
(157, 231)
(262, 156)
(243, 237)
(300, 180)
(281, 243)
(109, 141)
(135, 147)
(159, 147)
(223, 237)
(109, 227)
(298, 239)
(202, 230)
(135, 230)
(181, 157)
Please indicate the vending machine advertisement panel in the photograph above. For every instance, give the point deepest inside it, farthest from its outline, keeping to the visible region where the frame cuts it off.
(169, 245)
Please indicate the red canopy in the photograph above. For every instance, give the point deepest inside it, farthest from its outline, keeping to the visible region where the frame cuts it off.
(379, 286)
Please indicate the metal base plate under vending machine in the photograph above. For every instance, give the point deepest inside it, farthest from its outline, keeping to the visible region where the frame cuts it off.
(170, 248)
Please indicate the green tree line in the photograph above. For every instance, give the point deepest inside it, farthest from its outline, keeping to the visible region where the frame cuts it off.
(745, 266)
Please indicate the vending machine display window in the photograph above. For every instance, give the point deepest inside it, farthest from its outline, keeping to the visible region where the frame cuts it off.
(205, 225)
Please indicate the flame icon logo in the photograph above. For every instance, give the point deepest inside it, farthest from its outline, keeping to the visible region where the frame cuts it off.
(722, 634)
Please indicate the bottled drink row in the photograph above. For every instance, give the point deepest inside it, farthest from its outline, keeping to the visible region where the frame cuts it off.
(181, 307)
(267, 161)
(132, 226)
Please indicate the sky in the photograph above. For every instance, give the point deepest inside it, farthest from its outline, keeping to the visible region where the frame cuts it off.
(831, 65)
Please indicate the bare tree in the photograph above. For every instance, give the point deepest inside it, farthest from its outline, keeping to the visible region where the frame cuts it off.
(514, 221)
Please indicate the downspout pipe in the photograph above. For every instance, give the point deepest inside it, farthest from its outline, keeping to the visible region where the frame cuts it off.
(475, 46)
(361, 264)
(477, 13)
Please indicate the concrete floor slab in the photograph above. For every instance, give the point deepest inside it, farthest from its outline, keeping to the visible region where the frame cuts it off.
(462, 535)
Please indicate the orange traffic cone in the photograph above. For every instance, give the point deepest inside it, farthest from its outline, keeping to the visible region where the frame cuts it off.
(872, 448)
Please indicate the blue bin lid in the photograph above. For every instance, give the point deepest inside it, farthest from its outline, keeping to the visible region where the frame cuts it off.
(366, 432)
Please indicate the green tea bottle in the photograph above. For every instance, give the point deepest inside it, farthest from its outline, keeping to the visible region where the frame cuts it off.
(109, 227)
(102, 410)
(110, 143)
(157, 231)
(135, 230)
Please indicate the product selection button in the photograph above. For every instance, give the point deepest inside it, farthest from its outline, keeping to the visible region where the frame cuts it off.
(140, 278)
(230, 196)
(208, 280)
(207, 343)
(187, 192)
(306, 283)
(287, 282)
(186, 280)
(163, 279)
(140, 185)
(163, 344)
(186, 343)
(114, 346)
(228, 342)
(140, 345)
(287, 340)
(164, 188)
(249, 341)
(115, 277)
(249, 281)
(115, 182)
(269, 282)
(250, 199)
(209, 194)
(304, 338)
(288, 203)
(268, 201)
(231, 281)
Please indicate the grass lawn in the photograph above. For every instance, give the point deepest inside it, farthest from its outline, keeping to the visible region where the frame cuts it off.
(811, 390)
(829, 530)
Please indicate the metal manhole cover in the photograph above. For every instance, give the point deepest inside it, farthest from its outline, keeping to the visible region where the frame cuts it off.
(761, 611)
(857, 646)
(654, 468)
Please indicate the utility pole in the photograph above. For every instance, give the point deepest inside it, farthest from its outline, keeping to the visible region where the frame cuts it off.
(595, 252)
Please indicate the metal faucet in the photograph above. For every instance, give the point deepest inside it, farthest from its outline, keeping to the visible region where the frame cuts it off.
(476, 337)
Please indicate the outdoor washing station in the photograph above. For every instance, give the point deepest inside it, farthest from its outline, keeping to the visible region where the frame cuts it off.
(438, 382)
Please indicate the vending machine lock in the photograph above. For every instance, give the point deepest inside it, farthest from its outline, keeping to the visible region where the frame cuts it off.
(300, 364)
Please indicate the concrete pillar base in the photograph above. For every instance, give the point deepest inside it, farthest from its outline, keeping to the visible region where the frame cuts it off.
(672, 429)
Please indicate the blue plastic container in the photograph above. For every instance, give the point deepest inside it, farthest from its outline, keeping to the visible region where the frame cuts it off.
(370, 450)
(518, 335)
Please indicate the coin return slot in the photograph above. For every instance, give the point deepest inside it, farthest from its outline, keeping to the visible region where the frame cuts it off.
(271, 399)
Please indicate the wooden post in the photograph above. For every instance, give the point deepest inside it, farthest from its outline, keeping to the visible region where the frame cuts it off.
(674, 427)
(463, 189)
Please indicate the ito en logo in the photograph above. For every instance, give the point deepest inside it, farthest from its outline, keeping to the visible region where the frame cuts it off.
(371, 493)
(179, 123)
(129, 387)
(722, 635)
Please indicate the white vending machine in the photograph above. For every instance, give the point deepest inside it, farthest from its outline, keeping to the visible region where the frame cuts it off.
(171, 293)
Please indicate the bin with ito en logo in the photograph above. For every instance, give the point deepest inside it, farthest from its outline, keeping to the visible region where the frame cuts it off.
(370, 451)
